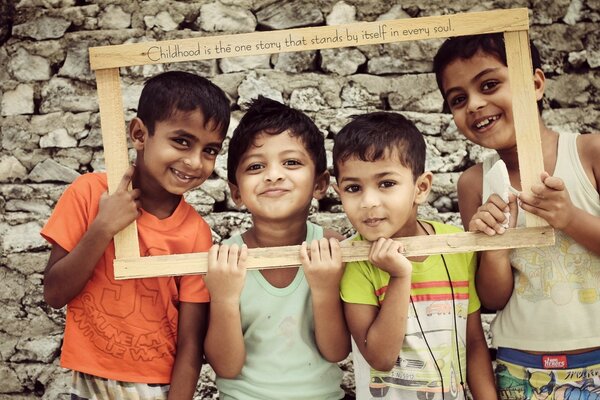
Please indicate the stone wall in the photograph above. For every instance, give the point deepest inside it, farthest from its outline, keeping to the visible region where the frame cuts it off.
(50, 130)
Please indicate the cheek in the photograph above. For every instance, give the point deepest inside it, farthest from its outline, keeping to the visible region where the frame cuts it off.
(208, 165)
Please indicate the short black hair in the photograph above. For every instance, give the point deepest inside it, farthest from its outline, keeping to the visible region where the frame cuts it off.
(465, 47)
(372, 136)
(268, 116)
(169, 92)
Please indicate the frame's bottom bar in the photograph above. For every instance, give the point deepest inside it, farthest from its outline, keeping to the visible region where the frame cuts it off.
(279, 257)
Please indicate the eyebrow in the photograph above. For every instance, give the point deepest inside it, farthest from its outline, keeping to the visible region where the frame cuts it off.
(474, 79)
(185, 134)
(285, 153)
(377, 176)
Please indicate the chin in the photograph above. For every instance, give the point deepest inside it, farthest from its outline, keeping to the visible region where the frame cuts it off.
(371, 237)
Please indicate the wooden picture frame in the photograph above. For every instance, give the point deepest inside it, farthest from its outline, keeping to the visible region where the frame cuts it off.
(513, 23)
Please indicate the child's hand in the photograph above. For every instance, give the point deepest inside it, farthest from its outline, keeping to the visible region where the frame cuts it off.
(121, 208)
(386, 254)
(549, 200)
(490, 216)
(226, 272)
(323, 266)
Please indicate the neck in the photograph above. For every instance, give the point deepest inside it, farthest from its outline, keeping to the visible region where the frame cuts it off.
(275, 234)
(154, 199)
(548, 140)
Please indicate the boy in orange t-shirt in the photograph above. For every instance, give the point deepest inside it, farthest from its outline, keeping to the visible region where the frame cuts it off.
(139, 338)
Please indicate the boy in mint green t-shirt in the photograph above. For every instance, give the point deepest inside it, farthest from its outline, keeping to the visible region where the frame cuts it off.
(277, 334)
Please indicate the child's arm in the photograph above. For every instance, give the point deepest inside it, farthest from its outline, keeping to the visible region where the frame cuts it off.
(379, 332)
(479, 365)
(224, 345)
(330, 233)
(323, 269)
(494, 279)
(67, 273)
(550, 200)
(188, 358)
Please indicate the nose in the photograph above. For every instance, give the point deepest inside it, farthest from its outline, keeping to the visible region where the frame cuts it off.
(273, 173)
(369, 199)
(193, 160)
(476, 102)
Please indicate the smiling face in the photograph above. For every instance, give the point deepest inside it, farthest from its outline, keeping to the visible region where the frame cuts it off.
(380, 197)
(179, 156)
(276, 178)
(478, 93)
(477, 90)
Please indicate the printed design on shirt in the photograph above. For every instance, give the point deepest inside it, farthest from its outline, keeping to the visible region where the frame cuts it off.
(287, 329)
(128, 320)
(106, 332)
(415, 374)
(517, 383)
(572, 274)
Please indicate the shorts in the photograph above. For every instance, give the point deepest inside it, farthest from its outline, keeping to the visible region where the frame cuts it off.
(90, 387)
(524, 376)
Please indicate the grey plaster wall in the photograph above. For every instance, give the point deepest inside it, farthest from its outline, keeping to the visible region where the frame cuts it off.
(50, 131)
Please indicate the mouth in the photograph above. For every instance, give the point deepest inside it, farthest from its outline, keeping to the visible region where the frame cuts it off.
(273, 192)
(373, 222)
(486, 122)
(183, 177)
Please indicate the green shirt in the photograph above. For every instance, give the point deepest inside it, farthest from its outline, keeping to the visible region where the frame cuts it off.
(431, 292)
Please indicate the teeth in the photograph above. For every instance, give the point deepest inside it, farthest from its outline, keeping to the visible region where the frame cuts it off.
(486, 122)
(181, 175)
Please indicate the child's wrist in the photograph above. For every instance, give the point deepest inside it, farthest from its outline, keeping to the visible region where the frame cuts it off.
(101, 231)
(400, 276)
(225, 301)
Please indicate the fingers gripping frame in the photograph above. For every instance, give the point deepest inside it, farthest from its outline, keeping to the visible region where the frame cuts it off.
(514, 23)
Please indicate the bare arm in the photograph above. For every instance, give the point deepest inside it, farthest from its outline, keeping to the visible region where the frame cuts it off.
(479, 366)
(494, 279)
(67, 273)
(330, 233)
(188, 360)
(224, 345)
(379, 332)
(323, 269)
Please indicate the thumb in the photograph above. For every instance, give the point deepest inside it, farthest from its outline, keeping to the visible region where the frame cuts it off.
(554, 183)
(513, 208)
(126, 179)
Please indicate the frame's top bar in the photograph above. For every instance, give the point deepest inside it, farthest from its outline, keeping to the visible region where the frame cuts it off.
(322, 37)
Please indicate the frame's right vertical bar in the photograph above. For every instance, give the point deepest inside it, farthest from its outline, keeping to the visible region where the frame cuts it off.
(525, 114)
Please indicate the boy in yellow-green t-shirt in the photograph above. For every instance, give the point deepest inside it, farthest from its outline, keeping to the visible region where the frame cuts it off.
(412, 320)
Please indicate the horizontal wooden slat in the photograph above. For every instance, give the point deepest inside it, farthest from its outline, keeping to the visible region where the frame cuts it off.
(301, 39)
(278, 257)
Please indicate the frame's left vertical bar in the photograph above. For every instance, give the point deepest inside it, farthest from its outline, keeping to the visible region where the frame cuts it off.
(114, 137)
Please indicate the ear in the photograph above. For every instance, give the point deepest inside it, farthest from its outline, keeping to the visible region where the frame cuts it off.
(336, 188)
(423, 187)
(321, 185)
(138, 133)
(235, 194)
(539, 83)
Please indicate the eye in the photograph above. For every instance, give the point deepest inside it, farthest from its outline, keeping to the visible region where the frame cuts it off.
(351, 188)
(457, 100)
(212, 151)
(182, 142)
(387, 184)
(292, 162)
(254, 167)
(489, 85)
